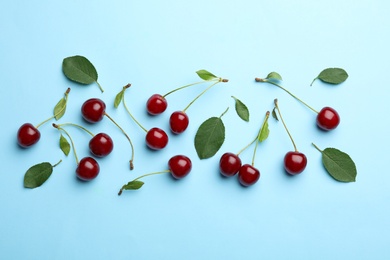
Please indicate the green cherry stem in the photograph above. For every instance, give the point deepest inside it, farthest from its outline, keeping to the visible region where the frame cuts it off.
(186, 86)
(284, 124)
(71, 141)
(315, 146)
(128, 110)
(258, 136)
(78, 126)
(291, 94)
(140, 177)
(59, 112)
(100, 87)
(57, 163)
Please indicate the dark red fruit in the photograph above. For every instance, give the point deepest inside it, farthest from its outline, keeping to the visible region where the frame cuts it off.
(28, 135)
(295, 162)
(178, 122)
(87, 169)
(248, 175)
(180, 166)
(156, 138)
(101, 145)
(229, 164)
(328, 118)
(93, 110)
(156, 104)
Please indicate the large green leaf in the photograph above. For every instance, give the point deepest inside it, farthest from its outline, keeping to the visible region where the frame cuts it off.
(339, 165)
(36, 175)
(209, 137)
(332, 76)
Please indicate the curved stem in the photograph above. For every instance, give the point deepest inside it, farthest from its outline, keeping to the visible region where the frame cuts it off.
(315, 146)
(224, 112)
(57, 163)
(186, 86)
(204, 91)
(246, 147)
(291, 94)
(258, 136)
(71, 141)
(284, 124)
(142, 176)
(78, 126)
(101, 89)
(128, 111)
(128, 138)
(59, 112)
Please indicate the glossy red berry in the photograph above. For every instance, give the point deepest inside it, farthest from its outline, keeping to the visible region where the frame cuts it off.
(156, 104)
(294, 162)
(101, 145)
(93, 110)
(328, 118)
(87, 169)
(28, 135)
(178, 122)
(248, 175)
(229, 164)
(156, 138)
(180, 166)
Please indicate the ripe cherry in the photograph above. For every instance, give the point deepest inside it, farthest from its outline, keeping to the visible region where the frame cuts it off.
(229, 164)
(178, 122)
(101, 145)
(328, 118)
(87, 169)
(156, 104)
(179, 166)
(156, 138)
(93, 110)
(28, 135)
(248, 175)
(295, 162)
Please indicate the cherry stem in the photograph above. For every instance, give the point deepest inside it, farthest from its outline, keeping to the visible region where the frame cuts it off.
(246, 147)
(78, 126)
(128, 111)
(71, 141)
(128, 138)
(315, 146)
(224, 112)
(284, 124)
(142, 176)
(59, 112)
(57, 163)
(186, 86)
(101, 89)
(258, 136)
(276, 84)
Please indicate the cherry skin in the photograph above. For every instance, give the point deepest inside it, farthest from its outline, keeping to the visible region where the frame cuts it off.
(229, 164)
(87, 169)
(328, 119)
(101, 145)
(156, 104)
(180, 166)
(156, 138)
(93, 110)
(294, 162)
(248, 175)
(178, 122)
(28, 135)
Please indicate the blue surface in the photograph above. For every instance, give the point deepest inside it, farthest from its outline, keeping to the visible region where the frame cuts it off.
(157, 46)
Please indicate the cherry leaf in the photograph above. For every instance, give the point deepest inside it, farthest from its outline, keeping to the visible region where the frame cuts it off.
(332, 76)
(264, 132)
(118, 98)
(36, 175)
(133, 185)
(274, 115)
(241, 109)
(64, 145)
(206, 75)
(274, 75)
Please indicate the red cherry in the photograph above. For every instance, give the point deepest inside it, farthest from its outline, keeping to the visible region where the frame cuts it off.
(93, 110)
(294, 162)
(178, 122)
(87, 169)
(156, 138)
(28, 135)
(101, 145)
(229, 164)
(180, 166)
(156, 104)
(248, 175)
(328, 118)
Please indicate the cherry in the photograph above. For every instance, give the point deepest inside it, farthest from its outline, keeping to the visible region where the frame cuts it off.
(156, 138)
(248, 175)
(328, 118)
(101, 145)
(229, 164)
(93, 110)
(87, 169)
(180, 166)
(156, 104)
(294, 162)
(178, 122)
(28, 135)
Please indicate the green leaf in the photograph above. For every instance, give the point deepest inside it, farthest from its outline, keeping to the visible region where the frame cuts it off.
(332, 76)
(205, 75)
(264, 132)
(274, 75)
(241, 109)
(274, 115)
(209, 137)
(118, 98)
(37, 175)
(59, 109)
(133, 185)
(64, 145)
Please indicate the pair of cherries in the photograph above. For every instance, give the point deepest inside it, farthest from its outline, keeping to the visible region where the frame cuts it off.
(230, 164)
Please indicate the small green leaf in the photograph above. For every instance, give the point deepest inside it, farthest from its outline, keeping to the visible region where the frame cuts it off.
(264, 132)
(118, 98)
(64, 145)
(332, 76)
(59, 109)
(205, 75)
(133, 185)
(274, 75)
(274, 115)
(37, 175)
(209, 137)
(241, 109)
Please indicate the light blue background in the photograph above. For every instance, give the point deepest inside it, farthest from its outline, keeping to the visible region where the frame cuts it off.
(157, 46)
